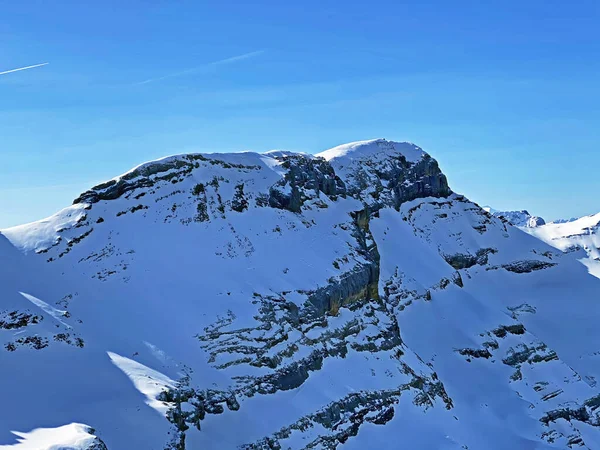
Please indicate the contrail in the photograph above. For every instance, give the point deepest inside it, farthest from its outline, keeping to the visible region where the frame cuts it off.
(236, 58)
(23, 68)
(210, 64)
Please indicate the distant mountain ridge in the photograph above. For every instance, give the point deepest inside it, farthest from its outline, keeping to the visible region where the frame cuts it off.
(569, 235)
(517, 218)
(581, 236)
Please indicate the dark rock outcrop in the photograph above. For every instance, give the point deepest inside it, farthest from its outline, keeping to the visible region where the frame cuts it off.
(147, 175)
(425, 179)
(307, 177)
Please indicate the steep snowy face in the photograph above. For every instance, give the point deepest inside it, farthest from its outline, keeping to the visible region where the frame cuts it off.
(578, 236)
(347, 299)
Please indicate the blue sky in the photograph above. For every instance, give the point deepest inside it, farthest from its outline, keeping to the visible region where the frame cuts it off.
(504, 94)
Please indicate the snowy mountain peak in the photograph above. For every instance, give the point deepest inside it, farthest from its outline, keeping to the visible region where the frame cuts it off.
(374, 148)
(517, 218)
(351, 154)
(283, 300)
(199, 187)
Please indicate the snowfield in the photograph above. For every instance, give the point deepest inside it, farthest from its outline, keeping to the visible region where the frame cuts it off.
(72, 436)
(579, 235)
(347, 299)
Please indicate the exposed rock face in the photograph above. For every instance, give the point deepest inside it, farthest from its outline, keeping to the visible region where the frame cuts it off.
(527, 266)
(362, 282)
(357, 285)
(535, 221)
(464, 261)
(390, 178)
(306, 178)
(98, 444)
(423, 179)
(172, 169)
(15, 319)
(387, 182)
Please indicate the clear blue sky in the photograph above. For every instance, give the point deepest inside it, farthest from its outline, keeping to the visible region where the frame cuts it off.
(506, 95)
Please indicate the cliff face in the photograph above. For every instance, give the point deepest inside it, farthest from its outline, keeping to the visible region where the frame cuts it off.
(285, 300)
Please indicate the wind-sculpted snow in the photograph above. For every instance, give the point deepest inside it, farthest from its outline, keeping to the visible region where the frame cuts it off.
(348, 299)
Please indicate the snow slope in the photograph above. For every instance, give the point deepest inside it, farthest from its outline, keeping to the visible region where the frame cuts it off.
(72, 436)
(581, 236)
(344, 300)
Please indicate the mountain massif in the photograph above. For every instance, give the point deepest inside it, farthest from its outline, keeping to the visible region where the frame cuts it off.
(348, 299)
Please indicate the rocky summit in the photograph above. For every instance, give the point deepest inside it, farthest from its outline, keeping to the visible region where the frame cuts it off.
(348, 299)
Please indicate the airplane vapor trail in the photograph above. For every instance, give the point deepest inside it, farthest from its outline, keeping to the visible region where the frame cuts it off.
(23, 68)
(205, 66)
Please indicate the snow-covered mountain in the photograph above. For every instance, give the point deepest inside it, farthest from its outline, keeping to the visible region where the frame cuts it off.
(517, 218)
(580, 236)
(261, 301)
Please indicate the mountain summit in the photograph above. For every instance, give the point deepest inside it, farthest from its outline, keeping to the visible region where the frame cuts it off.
(347, 299)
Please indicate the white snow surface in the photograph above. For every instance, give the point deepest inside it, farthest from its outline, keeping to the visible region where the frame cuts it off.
(189, 284)
(51, 311)
(582, 233)
(578, 236)
(74, 436)
(42, 234)
(148, 381)
(374, 148)
(348, 157)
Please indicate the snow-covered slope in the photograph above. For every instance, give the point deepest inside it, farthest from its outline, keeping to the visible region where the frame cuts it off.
(280, 300)
(578, 236)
